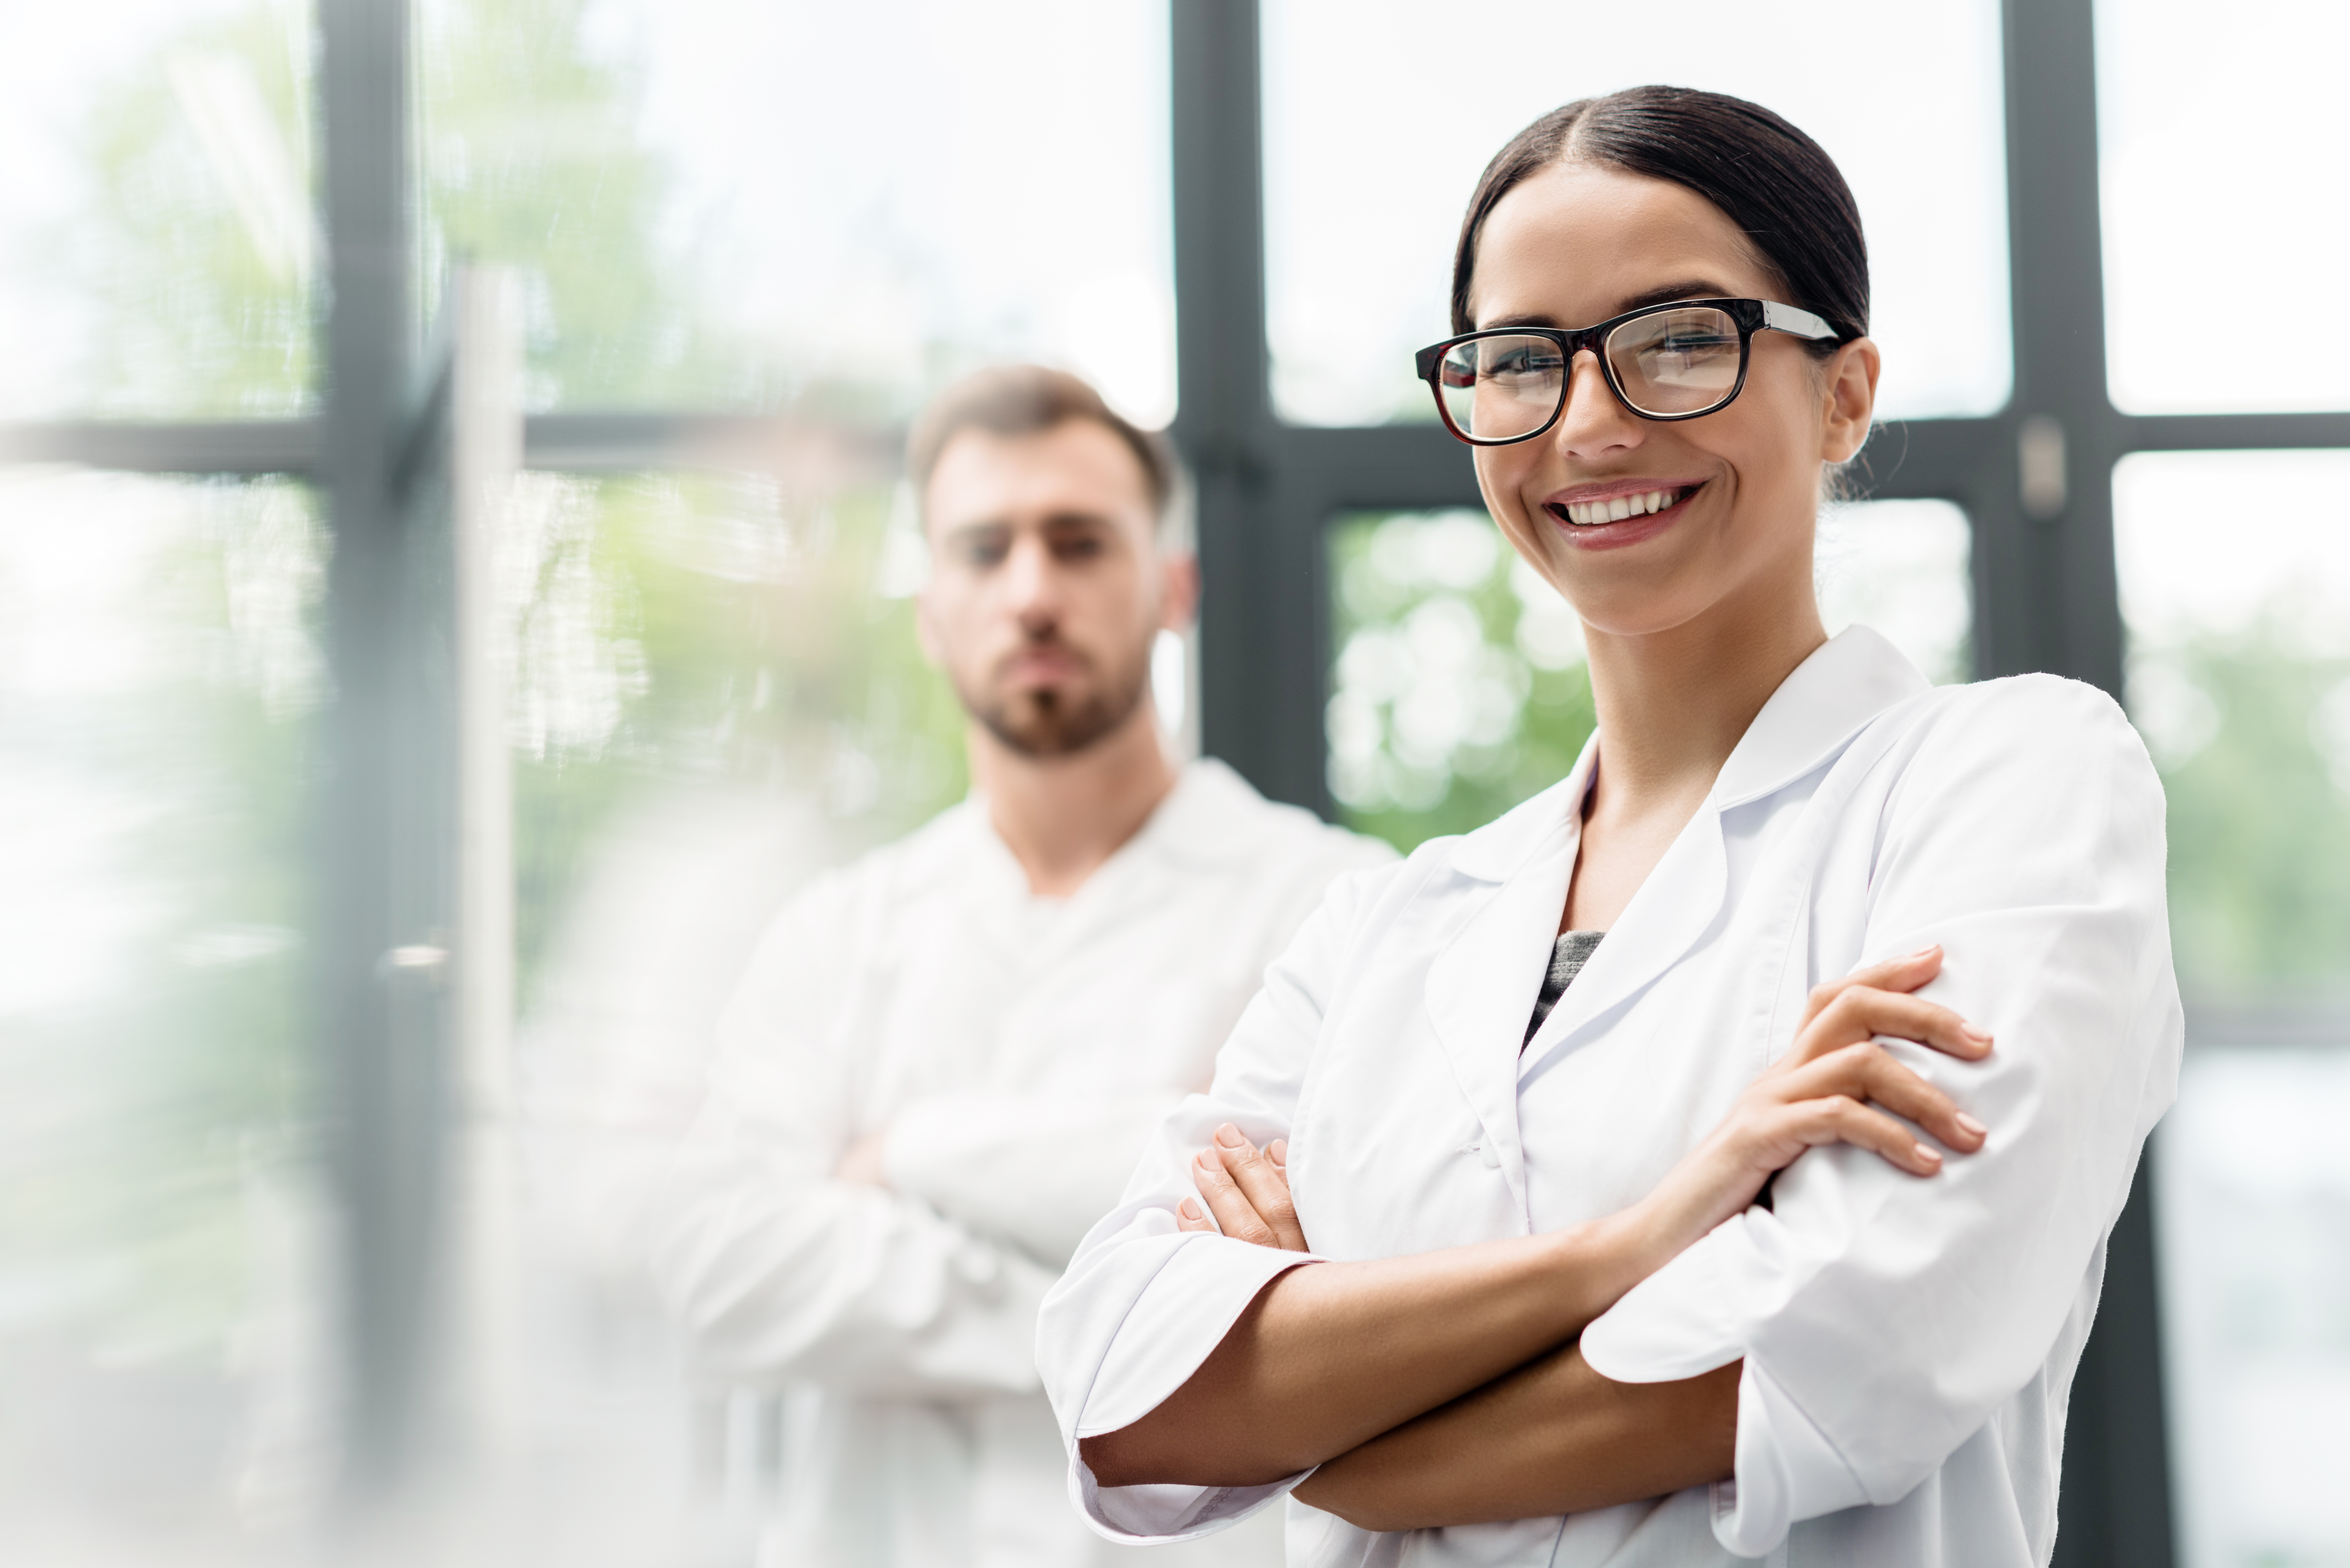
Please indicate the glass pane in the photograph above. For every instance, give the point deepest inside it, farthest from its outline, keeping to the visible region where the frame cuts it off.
(716, 693)
(2239, 680)
(2183, 185)
(1458, 685)
(1373, 140)
(2255, 1259)
(161, 1233)
(1458, 688)
(1902, 567)
(747, 203)
(158, 246)
(703, 638)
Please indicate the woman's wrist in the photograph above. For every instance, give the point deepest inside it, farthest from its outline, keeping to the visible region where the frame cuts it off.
(1605, 1258)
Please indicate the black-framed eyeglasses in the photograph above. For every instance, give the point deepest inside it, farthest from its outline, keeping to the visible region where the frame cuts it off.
(1681, 360)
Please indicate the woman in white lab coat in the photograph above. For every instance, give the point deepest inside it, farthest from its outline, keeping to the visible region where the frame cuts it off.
(1561, 1310)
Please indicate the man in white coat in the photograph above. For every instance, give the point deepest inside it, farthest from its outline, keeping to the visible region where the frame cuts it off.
(945, 1061)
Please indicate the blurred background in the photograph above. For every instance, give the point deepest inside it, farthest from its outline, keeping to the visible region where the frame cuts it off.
(454, 585)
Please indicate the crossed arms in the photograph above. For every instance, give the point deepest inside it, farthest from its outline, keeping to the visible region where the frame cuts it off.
(1482, 1406)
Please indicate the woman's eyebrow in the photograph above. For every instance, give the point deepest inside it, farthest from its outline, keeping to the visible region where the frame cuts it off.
(1690, 288)
(1693, 288)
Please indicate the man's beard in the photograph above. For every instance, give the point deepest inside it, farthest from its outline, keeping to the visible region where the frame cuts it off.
(1059, 723)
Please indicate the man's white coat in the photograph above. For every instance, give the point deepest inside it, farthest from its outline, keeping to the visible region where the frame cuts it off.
(1019, 1051)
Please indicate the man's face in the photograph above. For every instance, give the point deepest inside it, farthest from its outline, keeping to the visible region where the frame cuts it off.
(1047, 586)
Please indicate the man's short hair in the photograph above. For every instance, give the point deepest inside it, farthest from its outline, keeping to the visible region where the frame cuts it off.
(1014, 400)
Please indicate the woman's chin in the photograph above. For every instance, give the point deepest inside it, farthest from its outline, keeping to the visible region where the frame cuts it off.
(1612, 601)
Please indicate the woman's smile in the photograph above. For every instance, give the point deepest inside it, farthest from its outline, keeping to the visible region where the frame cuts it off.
(1615, 513)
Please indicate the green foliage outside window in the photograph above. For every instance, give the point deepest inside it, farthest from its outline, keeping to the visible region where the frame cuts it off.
(1458, 688)
(2253, 737)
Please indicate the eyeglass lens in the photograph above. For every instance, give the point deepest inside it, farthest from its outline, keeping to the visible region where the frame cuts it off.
(1681, 361)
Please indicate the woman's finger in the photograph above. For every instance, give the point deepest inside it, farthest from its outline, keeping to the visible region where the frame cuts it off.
(1840, 1118)
(1192, 1215)
(1909, 1094)
(1869, 1072)
(1863, 1013)
(1264, 1184)
(1235, 1216)
(1906, 972)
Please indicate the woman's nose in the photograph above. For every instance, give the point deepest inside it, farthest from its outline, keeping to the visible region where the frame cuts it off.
(1595, 422)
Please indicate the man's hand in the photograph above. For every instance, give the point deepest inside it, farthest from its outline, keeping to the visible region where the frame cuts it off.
(862, 1161)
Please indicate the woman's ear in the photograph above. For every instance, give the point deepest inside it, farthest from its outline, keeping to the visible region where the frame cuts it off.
(1851, 398)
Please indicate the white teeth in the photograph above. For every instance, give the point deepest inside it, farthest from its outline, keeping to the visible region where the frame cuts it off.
(1617, 508)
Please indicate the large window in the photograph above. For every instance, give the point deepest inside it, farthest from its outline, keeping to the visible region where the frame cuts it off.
(722, 203)
(159, 251)
(161, 1232)
(1378, 116)
(2184, 178)
(735, 268)
(2239, 680)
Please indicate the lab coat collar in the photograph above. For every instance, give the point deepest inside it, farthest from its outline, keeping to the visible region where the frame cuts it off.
(1211, 817)
(1494, 852)
(1848, 680)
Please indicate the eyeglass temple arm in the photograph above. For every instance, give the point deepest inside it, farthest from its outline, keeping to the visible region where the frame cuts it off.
(1800, 323)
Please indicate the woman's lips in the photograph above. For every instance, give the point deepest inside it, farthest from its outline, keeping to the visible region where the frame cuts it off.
(1608, 531)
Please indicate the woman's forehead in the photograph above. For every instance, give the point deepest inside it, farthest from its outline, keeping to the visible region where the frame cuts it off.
(1577, 243)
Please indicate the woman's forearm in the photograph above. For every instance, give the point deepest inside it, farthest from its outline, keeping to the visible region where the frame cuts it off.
(1332, 1354)
(1551, 1437)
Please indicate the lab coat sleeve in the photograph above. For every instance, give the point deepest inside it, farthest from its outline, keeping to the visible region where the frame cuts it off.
(1884, 1318)
(1036, 1166)
(780, 1271)
(1143, 1303)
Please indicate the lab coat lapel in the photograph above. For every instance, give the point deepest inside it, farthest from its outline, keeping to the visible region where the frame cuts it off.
(1844, 684)
(1673, 909)
(1482, 987)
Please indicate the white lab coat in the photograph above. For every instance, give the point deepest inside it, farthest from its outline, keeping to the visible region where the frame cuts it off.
(1020, 1051)
(1908, 1342)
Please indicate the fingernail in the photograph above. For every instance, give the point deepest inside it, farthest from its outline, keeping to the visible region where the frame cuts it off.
(1975, 1034)
(1930, 1154)
(1278, 1151)
(1928, 949)
(1972, 1125)
(1230, 1136)
(1204, 1160)
(1190, 1210)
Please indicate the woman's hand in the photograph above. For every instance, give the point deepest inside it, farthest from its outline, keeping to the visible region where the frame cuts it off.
(1246, 1189)
(1822, 1091)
